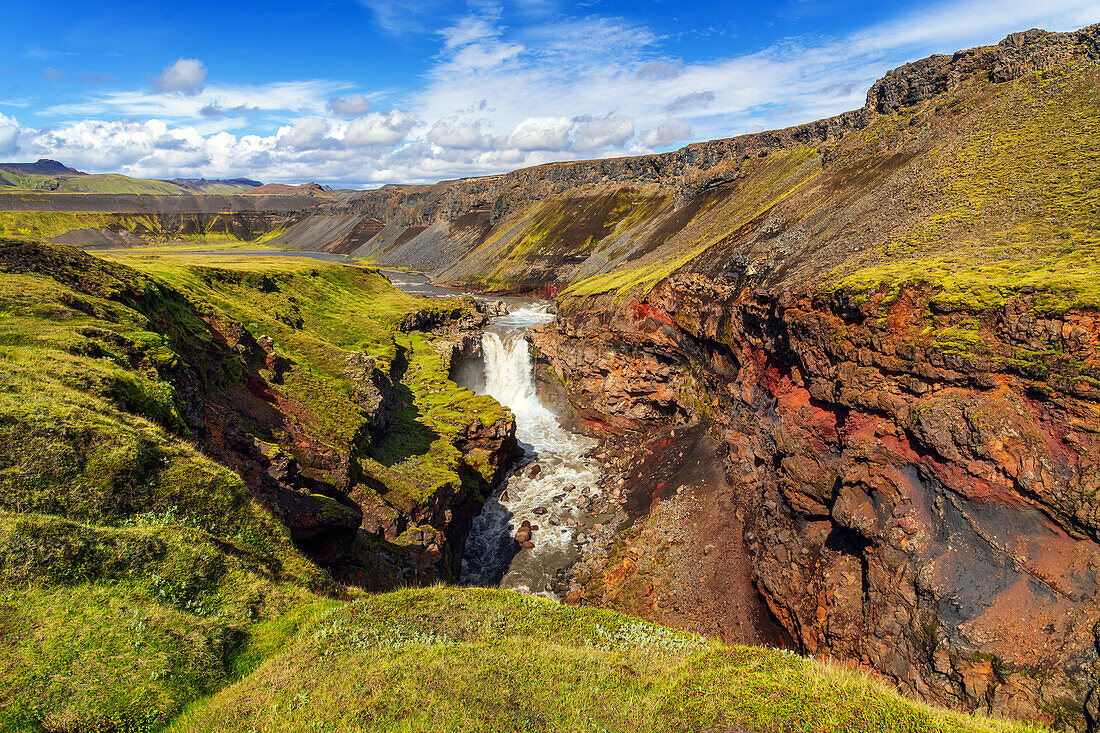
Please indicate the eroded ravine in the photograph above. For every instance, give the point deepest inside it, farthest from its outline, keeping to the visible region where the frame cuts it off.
(532, 526)
(536, 523)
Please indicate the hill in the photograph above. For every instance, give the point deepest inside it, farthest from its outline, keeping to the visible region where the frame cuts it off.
(217, 185)
(887, 322)
(176, 443)
(452, 659)
(183, 445)
(49, 175)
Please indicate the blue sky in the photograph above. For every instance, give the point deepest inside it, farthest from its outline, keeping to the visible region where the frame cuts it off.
(365, 92)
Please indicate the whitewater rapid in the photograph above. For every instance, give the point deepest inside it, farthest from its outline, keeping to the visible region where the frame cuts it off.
(549, 497)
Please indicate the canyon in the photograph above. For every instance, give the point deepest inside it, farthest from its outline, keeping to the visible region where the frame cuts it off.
(845, 373)
(887, 322)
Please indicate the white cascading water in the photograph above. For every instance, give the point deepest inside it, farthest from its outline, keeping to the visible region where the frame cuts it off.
(566, 477)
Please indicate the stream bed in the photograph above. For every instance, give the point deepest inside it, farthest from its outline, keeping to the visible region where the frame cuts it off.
(533, 524)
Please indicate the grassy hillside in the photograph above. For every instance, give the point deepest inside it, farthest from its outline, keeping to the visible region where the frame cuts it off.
(136, 573)
(449, 659)
(977, 193)
(99, 229)
(107, 183)
(134, 570)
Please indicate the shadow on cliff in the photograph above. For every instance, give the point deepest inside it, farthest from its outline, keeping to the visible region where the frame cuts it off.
(406, 436)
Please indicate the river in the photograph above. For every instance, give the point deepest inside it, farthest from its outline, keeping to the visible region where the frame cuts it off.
(553, 481)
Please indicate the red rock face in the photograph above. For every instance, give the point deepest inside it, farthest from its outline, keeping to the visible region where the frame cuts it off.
(917, 508)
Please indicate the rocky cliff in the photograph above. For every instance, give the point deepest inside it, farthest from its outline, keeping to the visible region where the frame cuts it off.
(844, 185)
(887, 321)
(922, 507)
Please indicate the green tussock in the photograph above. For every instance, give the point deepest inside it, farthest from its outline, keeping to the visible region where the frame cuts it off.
(449, 659)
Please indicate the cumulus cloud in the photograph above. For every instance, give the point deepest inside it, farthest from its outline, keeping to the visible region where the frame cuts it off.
(352, 105)
(449, 133)
(186, 76)
(666, 133)
(608, 132)
(379, 129)
(541, 133)
(9, 133)
(309, 133)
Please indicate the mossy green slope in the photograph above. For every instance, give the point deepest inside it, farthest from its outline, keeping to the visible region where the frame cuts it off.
(450, 659)
(132, 567)
(978, 194)
(319, 314)
(205, 229)
(136, 573)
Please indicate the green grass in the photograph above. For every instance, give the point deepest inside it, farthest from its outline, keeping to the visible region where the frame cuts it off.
(449, 659)
(51, 224)
(1016, 205)
(206, 245)
(319, 314)
(137, 574)
(131, 565)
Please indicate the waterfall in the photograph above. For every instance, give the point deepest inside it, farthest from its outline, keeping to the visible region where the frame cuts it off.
(549, 498)
(509, 374)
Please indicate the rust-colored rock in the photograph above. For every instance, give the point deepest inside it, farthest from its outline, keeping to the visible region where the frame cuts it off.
(944, 535)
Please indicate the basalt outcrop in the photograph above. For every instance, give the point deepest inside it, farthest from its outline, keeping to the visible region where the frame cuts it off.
(908, 505)
(892, 338)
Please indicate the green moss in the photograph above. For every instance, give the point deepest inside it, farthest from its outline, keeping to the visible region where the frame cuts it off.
(136, 574)
(449, 659)
(1014, 206)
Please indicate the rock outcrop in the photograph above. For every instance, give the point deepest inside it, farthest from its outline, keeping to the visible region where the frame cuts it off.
(923, 510)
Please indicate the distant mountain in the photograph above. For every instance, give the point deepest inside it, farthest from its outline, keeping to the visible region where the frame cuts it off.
(50, 175)
(310, 189)
(216, 185)
(43, 167)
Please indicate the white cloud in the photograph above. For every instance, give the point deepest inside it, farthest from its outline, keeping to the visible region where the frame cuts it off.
(609, 132)
(406, 16)
(541, 133)
(449, 133)
(497, 97)
(666, 133)
(296, 97)
(661, 70)
(379, 129)
(186, 76)
(9, 133)
(352, 105)
(690, 101)
(308, 133)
